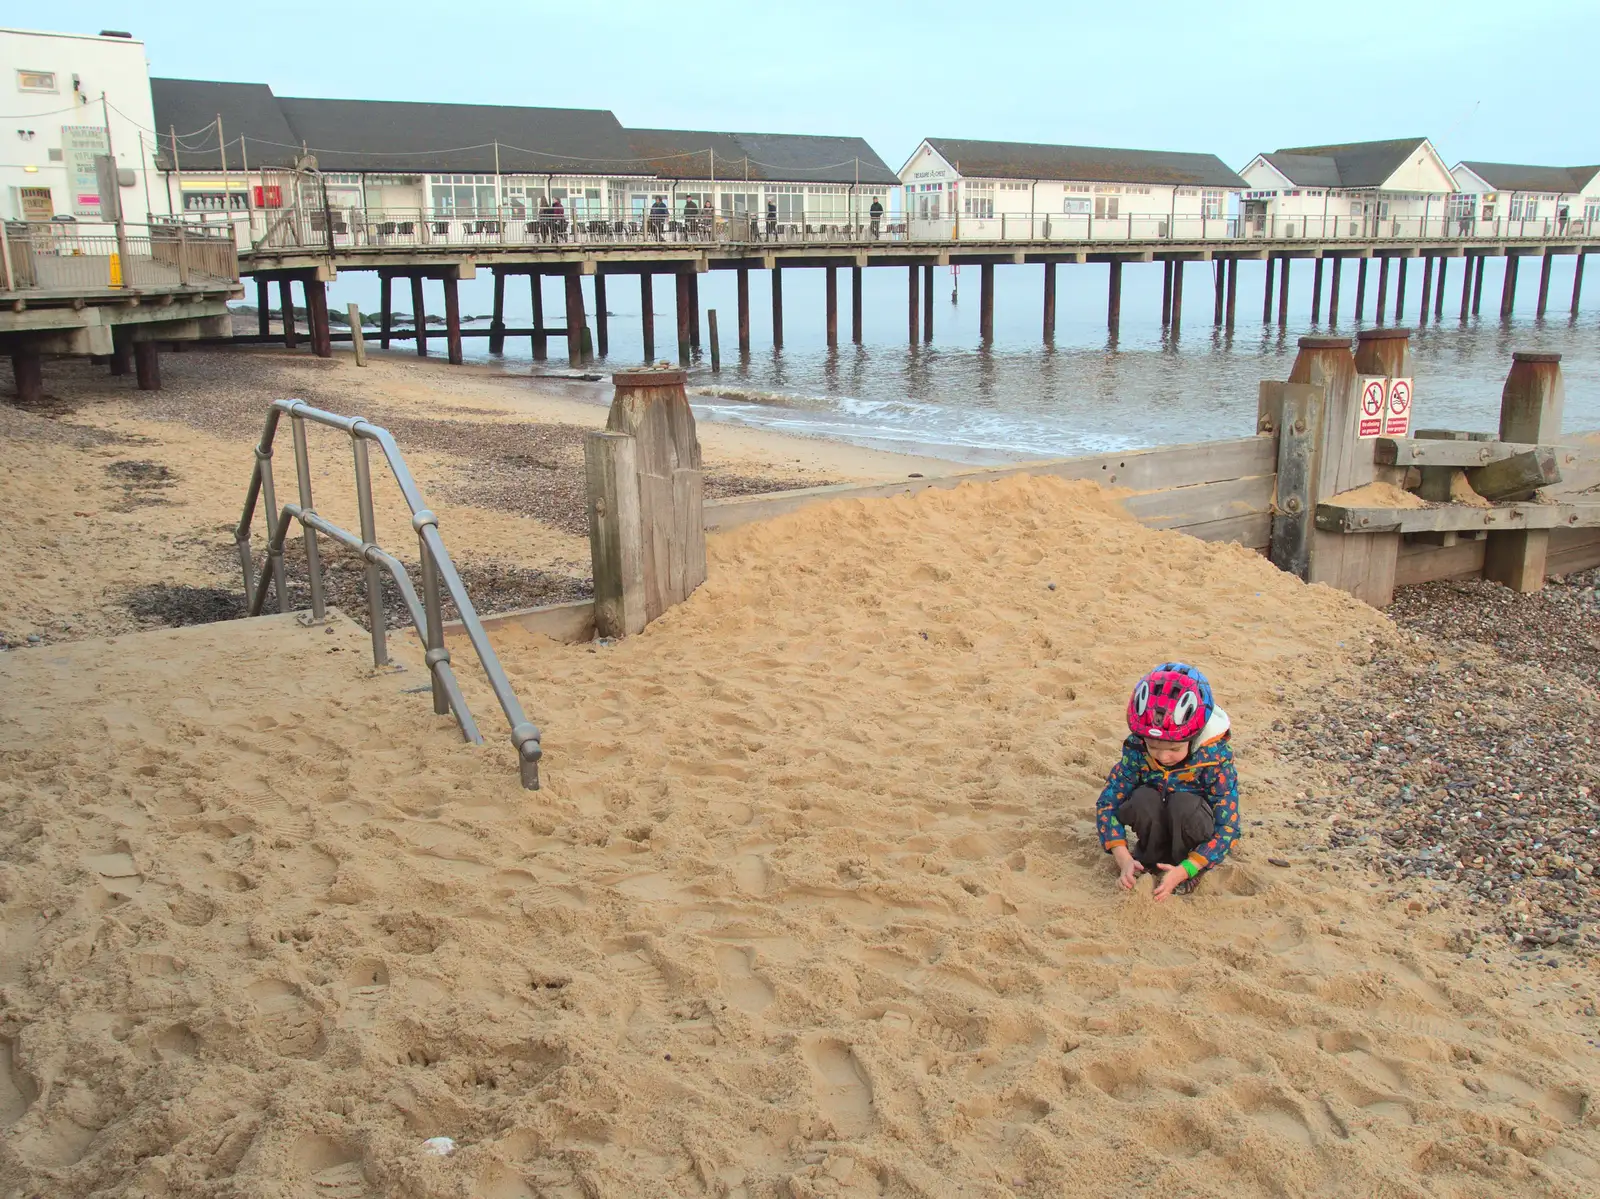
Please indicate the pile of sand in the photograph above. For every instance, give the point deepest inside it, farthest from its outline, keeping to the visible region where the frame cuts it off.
(810, 905)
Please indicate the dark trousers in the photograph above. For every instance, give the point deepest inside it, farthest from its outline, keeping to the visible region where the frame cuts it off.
(1167, 830)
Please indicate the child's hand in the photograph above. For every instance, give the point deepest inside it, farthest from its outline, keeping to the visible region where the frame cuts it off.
(1128, 868)
(1169, 881)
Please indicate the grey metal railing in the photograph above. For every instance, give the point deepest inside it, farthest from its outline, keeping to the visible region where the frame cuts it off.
(437, 568)
(69, 257)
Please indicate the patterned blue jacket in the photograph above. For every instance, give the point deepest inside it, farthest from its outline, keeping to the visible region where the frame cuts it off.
(1207, 772)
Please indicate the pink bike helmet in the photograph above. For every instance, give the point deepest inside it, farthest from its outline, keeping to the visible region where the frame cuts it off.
(1171, 703)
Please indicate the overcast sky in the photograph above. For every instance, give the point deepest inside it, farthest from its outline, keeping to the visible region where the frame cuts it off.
(1490, 82)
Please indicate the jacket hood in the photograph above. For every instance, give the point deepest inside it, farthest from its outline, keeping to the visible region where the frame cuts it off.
(1216, 728)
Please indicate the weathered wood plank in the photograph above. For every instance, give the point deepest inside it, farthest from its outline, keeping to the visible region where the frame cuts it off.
(570, 623)
(1518, 475)
(615, 550)
(1426, 563)
(1458, 517)
(1571, 550)
(1184, 506)
(1423, 452)
(1140, 470)
(1252, 530)
(1299, 442)
(1531, 406)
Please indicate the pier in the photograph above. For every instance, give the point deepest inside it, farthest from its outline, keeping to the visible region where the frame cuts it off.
(454, 250)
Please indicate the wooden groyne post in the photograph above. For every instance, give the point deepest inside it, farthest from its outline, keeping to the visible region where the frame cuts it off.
(646, 498)
(1531, 406)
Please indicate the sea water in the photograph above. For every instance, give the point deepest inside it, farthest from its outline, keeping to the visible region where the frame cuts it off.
(1019, 397)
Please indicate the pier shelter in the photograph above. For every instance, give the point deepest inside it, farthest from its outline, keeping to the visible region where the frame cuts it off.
(764, 186)
(1496, 196)
(1398, 188)
(964, 190)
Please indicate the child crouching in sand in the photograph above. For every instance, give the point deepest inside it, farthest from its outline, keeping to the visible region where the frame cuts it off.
(1174, 786)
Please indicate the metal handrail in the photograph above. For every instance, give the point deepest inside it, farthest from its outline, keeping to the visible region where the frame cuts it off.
(426, 612)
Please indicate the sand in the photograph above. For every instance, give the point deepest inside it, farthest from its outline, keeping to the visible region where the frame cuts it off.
(810, 905)
(1377, 495)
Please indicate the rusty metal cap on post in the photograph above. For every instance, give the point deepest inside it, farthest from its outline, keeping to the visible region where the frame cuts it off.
(1382, 334)
(1534, 356)
(1324, 341)
(651, 377)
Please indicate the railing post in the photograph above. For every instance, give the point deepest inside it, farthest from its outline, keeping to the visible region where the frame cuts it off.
(183, 257)
(369, 534)
(302, 466)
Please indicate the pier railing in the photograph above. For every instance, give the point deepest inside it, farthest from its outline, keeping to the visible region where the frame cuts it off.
(379, 228)
(60, 256)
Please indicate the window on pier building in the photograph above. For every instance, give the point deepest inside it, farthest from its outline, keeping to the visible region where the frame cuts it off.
(1105, 208)
(36, 81)
(977, 198)
(790, 203)
(463, 195)
(1211, 204)
(740, 204)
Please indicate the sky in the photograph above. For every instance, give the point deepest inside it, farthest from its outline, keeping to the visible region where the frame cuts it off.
(1485, 82)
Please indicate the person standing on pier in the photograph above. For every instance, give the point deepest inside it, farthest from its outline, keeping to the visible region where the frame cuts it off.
(691, 219)
(876, 213)
(658, 218)
(558, 220)
(772, 219)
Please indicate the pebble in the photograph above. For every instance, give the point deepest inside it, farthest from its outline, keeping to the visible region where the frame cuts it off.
(1466, 756)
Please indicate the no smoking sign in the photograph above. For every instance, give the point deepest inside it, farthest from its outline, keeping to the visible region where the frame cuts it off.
(1374, 399)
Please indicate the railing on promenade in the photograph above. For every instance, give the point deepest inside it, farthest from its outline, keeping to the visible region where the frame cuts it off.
(65, 257)
(421, 228)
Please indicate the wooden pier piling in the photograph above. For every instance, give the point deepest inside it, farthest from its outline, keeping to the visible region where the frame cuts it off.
(716, 344)
(1383, 290)
(1544, 283)
(385, 308)
(1438, 290)
(744, 312)
(914, 303)
(263, 307)
(497, 318)
(1466, 286)
(1050, 301)
(1577, 280)
(1166, 292)
(1477, 284)
(1219, 269)
(1400, 292)
(1427, 289)
(27, 367)
(1316, 292)
(647, 313)
(685, 347)
(855, 305)
(577, 319)
(1266, 297)
(986, 302)
(927, 302)
(1233, 292)
(419, 316)
(1283, 292)
(602, 331)
(1508, 287)
(694, 309)
(541, 343)
(831, 305)
(1333, 293)
(1177, 296)
(452, 319)
(317, 318)
(291, 337)
(1361, 290)
(147, 365)
(1114, 298)
(777, 307)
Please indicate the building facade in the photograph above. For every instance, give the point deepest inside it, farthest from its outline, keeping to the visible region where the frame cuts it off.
(1398, 188)
(962, 190)
(76, 97)
(1506, 199)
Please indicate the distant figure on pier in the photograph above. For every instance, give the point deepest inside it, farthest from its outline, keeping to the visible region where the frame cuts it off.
(691, 218)
(558, 220)
(772, 220)
(876, 213)
(658, 217)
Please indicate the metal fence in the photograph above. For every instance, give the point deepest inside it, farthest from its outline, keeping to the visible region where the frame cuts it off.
(437, 568)
(62, 257)
(356, 228)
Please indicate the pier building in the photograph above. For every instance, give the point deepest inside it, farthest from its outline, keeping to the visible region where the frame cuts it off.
(965, 190)
(1357, 189)
(1500, 195)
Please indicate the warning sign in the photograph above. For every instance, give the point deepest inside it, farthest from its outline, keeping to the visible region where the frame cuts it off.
(1374, 402)
(1397, 422)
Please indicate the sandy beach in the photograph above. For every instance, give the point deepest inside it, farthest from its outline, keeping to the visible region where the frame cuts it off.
(811, 902)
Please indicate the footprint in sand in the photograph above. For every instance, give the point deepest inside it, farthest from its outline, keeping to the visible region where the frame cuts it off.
(118, 873)
(368, 983)
(191, 910)
(288, 1025)
(739, 981)
(750, 874)
(17, 1091)
(636, 968)
(330, 1170)
(843, 1093)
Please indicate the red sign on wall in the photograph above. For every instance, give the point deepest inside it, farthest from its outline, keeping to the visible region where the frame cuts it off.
(269, 196)
(1397, 419)
(1374, 399)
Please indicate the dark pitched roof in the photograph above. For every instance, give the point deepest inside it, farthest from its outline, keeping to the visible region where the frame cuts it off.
(1306, 170)
(388, 135)
(1090, 164)
(1359, 164)
(1512, 177)
(770, 157)
(401, 135)
(248, 109)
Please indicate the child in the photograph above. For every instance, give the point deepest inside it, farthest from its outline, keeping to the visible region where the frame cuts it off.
(1175, 786)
